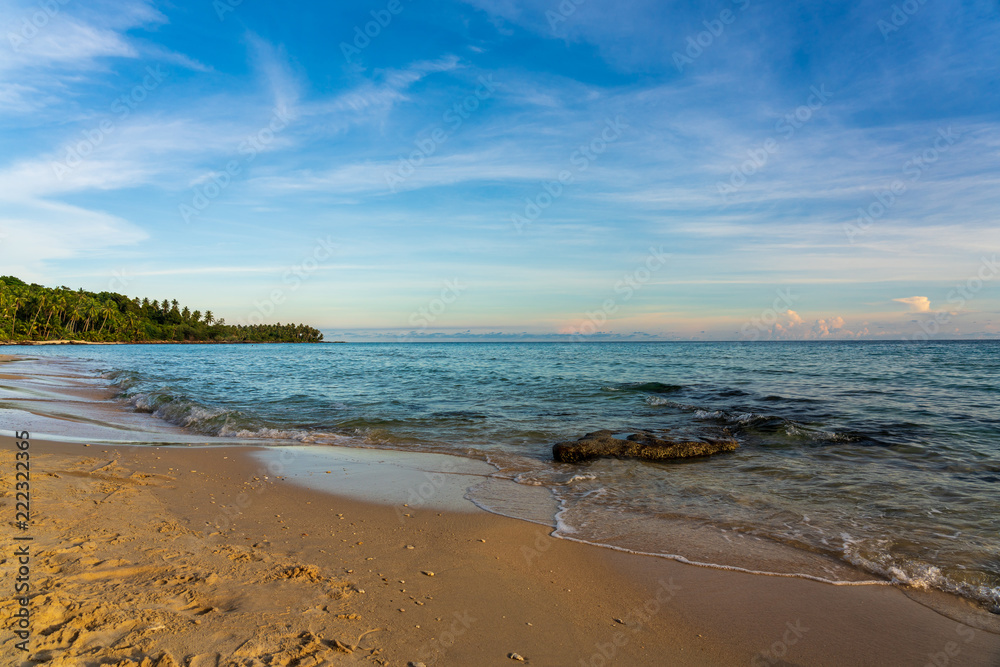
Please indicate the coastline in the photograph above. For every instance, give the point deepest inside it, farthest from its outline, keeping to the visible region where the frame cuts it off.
(141, 524)
(112, 522)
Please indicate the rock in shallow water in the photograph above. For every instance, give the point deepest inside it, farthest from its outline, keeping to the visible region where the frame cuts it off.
(641, 445)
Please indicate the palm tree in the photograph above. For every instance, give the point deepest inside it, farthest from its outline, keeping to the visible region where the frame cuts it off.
(4, 306)
(17, 300)
(75, 313)
(106, 311)
(58, 304)
(115, 323)
(209, 318)
(43, 304)
(91, 309)
(67, 308)
(133, 325)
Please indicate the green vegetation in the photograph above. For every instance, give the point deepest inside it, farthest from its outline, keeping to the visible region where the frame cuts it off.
(33, 313)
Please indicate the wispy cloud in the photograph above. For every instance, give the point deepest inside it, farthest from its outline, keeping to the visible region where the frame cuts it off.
(53, 47)
(36, 233)
(75, 86)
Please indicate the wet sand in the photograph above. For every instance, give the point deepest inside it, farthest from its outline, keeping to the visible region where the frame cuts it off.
(235, 555)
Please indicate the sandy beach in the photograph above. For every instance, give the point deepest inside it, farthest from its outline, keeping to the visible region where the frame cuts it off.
(236, 555)
(484, 333)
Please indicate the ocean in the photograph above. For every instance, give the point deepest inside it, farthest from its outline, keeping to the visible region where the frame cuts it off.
(858, 461)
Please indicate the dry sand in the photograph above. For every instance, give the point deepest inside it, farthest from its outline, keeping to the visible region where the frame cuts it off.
(128, 563)
(201, 556)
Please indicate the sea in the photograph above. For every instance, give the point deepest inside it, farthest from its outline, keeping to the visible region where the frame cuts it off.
(858, 462)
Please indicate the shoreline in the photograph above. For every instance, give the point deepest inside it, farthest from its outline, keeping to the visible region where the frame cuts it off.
(137, 515)
(761, 556)
(553, 601)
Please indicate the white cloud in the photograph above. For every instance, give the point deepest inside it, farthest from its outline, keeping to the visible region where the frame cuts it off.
(271, 62)
(371, 177)
(64, 41)
(51, 47)
(158, 147)
(917, 304)
(36, 232)
(792, 326)
(181, 150)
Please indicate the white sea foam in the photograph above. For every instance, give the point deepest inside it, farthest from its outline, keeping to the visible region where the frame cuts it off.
(873, 556)
(561, 534)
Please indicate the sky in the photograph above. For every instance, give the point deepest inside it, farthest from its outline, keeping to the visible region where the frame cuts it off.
(500, 170)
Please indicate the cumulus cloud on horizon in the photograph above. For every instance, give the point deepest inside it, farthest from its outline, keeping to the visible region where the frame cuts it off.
(917, 304)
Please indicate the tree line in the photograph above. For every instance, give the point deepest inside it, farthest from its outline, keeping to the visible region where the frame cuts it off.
(36, 313)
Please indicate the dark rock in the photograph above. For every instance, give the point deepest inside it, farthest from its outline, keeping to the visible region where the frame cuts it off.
(642, 445)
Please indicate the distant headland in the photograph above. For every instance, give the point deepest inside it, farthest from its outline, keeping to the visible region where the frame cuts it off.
(34, 314)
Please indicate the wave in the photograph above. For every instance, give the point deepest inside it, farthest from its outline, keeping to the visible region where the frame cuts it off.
(659, 400)
(219, 422)
(646, 387)
(564, 530)
(766, 419)
(875, 558)
(763, 423)
(875, 565)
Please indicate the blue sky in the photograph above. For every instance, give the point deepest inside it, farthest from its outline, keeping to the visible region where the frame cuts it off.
(575, 170)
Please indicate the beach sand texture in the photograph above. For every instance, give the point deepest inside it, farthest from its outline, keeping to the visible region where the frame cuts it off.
(199, 556)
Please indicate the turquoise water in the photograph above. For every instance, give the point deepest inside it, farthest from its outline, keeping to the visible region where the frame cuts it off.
(878, 456)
